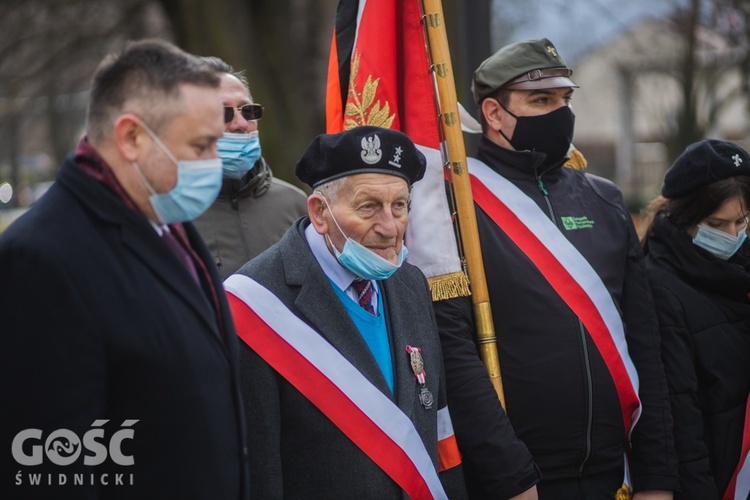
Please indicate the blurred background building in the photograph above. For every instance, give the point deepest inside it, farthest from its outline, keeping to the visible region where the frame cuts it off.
(654, 75)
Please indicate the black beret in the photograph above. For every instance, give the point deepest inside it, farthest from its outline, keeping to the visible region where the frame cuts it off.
(703, 163)
(360, 150)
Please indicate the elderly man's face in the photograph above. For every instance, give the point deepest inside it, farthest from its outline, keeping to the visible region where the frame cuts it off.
(235, 95)
(371, 209)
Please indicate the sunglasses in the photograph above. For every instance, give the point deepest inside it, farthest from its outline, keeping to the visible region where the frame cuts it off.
(249, 112)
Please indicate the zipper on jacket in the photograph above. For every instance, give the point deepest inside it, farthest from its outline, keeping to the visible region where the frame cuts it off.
(590, 392)
(586, 357)
(541, 186)
(545, 194)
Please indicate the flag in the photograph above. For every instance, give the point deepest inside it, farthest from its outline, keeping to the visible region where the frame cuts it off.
(379, 74)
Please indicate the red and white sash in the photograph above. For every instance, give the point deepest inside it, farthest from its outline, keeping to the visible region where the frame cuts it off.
(739, 486)
(315, 368)
(569, 273)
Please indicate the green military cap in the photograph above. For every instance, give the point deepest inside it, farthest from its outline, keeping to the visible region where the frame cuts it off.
(527, 65)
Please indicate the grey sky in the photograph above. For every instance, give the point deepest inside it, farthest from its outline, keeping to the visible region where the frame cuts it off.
(574, 26)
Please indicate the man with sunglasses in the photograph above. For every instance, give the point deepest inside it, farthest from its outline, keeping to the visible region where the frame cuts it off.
(253, 209)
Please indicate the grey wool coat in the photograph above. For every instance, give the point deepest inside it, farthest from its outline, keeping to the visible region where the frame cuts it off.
(295, 450)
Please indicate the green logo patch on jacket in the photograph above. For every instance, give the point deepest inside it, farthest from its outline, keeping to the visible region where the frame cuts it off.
(570, 223)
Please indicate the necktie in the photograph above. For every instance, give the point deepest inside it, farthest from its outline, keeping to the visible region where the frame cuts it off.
(364, 293)
(177, 240)
(182, 254)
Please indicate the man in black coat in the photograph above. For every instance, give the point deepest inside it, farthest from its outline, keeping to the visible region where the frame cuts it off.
(576, 331)
(119, 358)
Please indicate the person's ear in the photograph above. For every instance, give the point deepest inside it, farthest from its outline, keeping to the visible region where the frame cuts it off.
(129, 136)
(316, 206)
(493, 113)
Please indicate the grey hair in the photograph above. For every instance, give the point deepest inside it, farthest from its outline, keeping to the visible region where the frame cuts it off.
(221, 66)
(331, 189)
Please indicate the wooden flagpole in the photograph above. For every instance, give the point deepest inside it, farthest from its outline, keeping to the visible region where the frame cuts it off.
(450, 123)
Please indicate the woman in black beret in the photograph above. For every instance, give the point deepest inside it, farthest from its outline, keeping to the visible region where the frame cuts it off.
(698, 261)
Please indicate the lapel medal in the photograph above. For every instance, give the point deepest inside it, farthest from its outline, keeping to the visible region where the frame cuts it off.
(417, 365)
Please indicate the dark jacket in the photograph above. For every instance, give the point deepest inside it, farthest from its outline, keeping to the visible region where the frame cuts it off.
(295, 450)
(102, 323)
(704, 318)
(561, 398)
(248, 216)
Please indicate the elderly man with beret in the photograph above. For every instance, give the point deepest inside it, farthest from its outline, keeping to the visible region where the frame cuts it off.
(341, 369)
(586, 397)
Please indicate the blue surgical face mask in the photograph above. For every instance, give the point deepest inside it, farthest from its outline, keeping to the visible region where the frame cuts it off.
(198, 184)
(238, 153)
(362, 261)
(718, 243)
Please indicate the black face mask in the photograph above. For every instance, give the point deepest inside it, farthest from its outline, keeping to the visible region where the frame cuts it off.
(550, 134)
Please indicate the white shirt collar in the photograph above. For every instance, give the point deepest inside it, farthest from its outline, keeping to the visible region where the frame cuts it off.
(160, 229)
(337, 273)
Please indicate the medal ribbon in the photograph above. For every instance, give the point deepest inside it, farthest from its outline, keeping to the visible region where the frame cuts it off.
(416, 352)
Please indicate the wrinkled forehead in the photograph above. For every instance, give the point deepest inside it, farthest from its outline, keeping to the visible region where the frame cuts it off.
(375, 185)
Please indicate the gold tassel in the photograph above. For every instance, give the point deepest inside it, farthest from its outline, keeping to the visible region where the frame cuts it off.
(623, 493)
(576, 160)
(449, 286)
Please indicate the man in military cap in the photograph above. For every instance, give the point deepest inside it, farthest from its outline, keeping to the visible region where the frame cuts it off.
(577, 336)
(341, 368)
